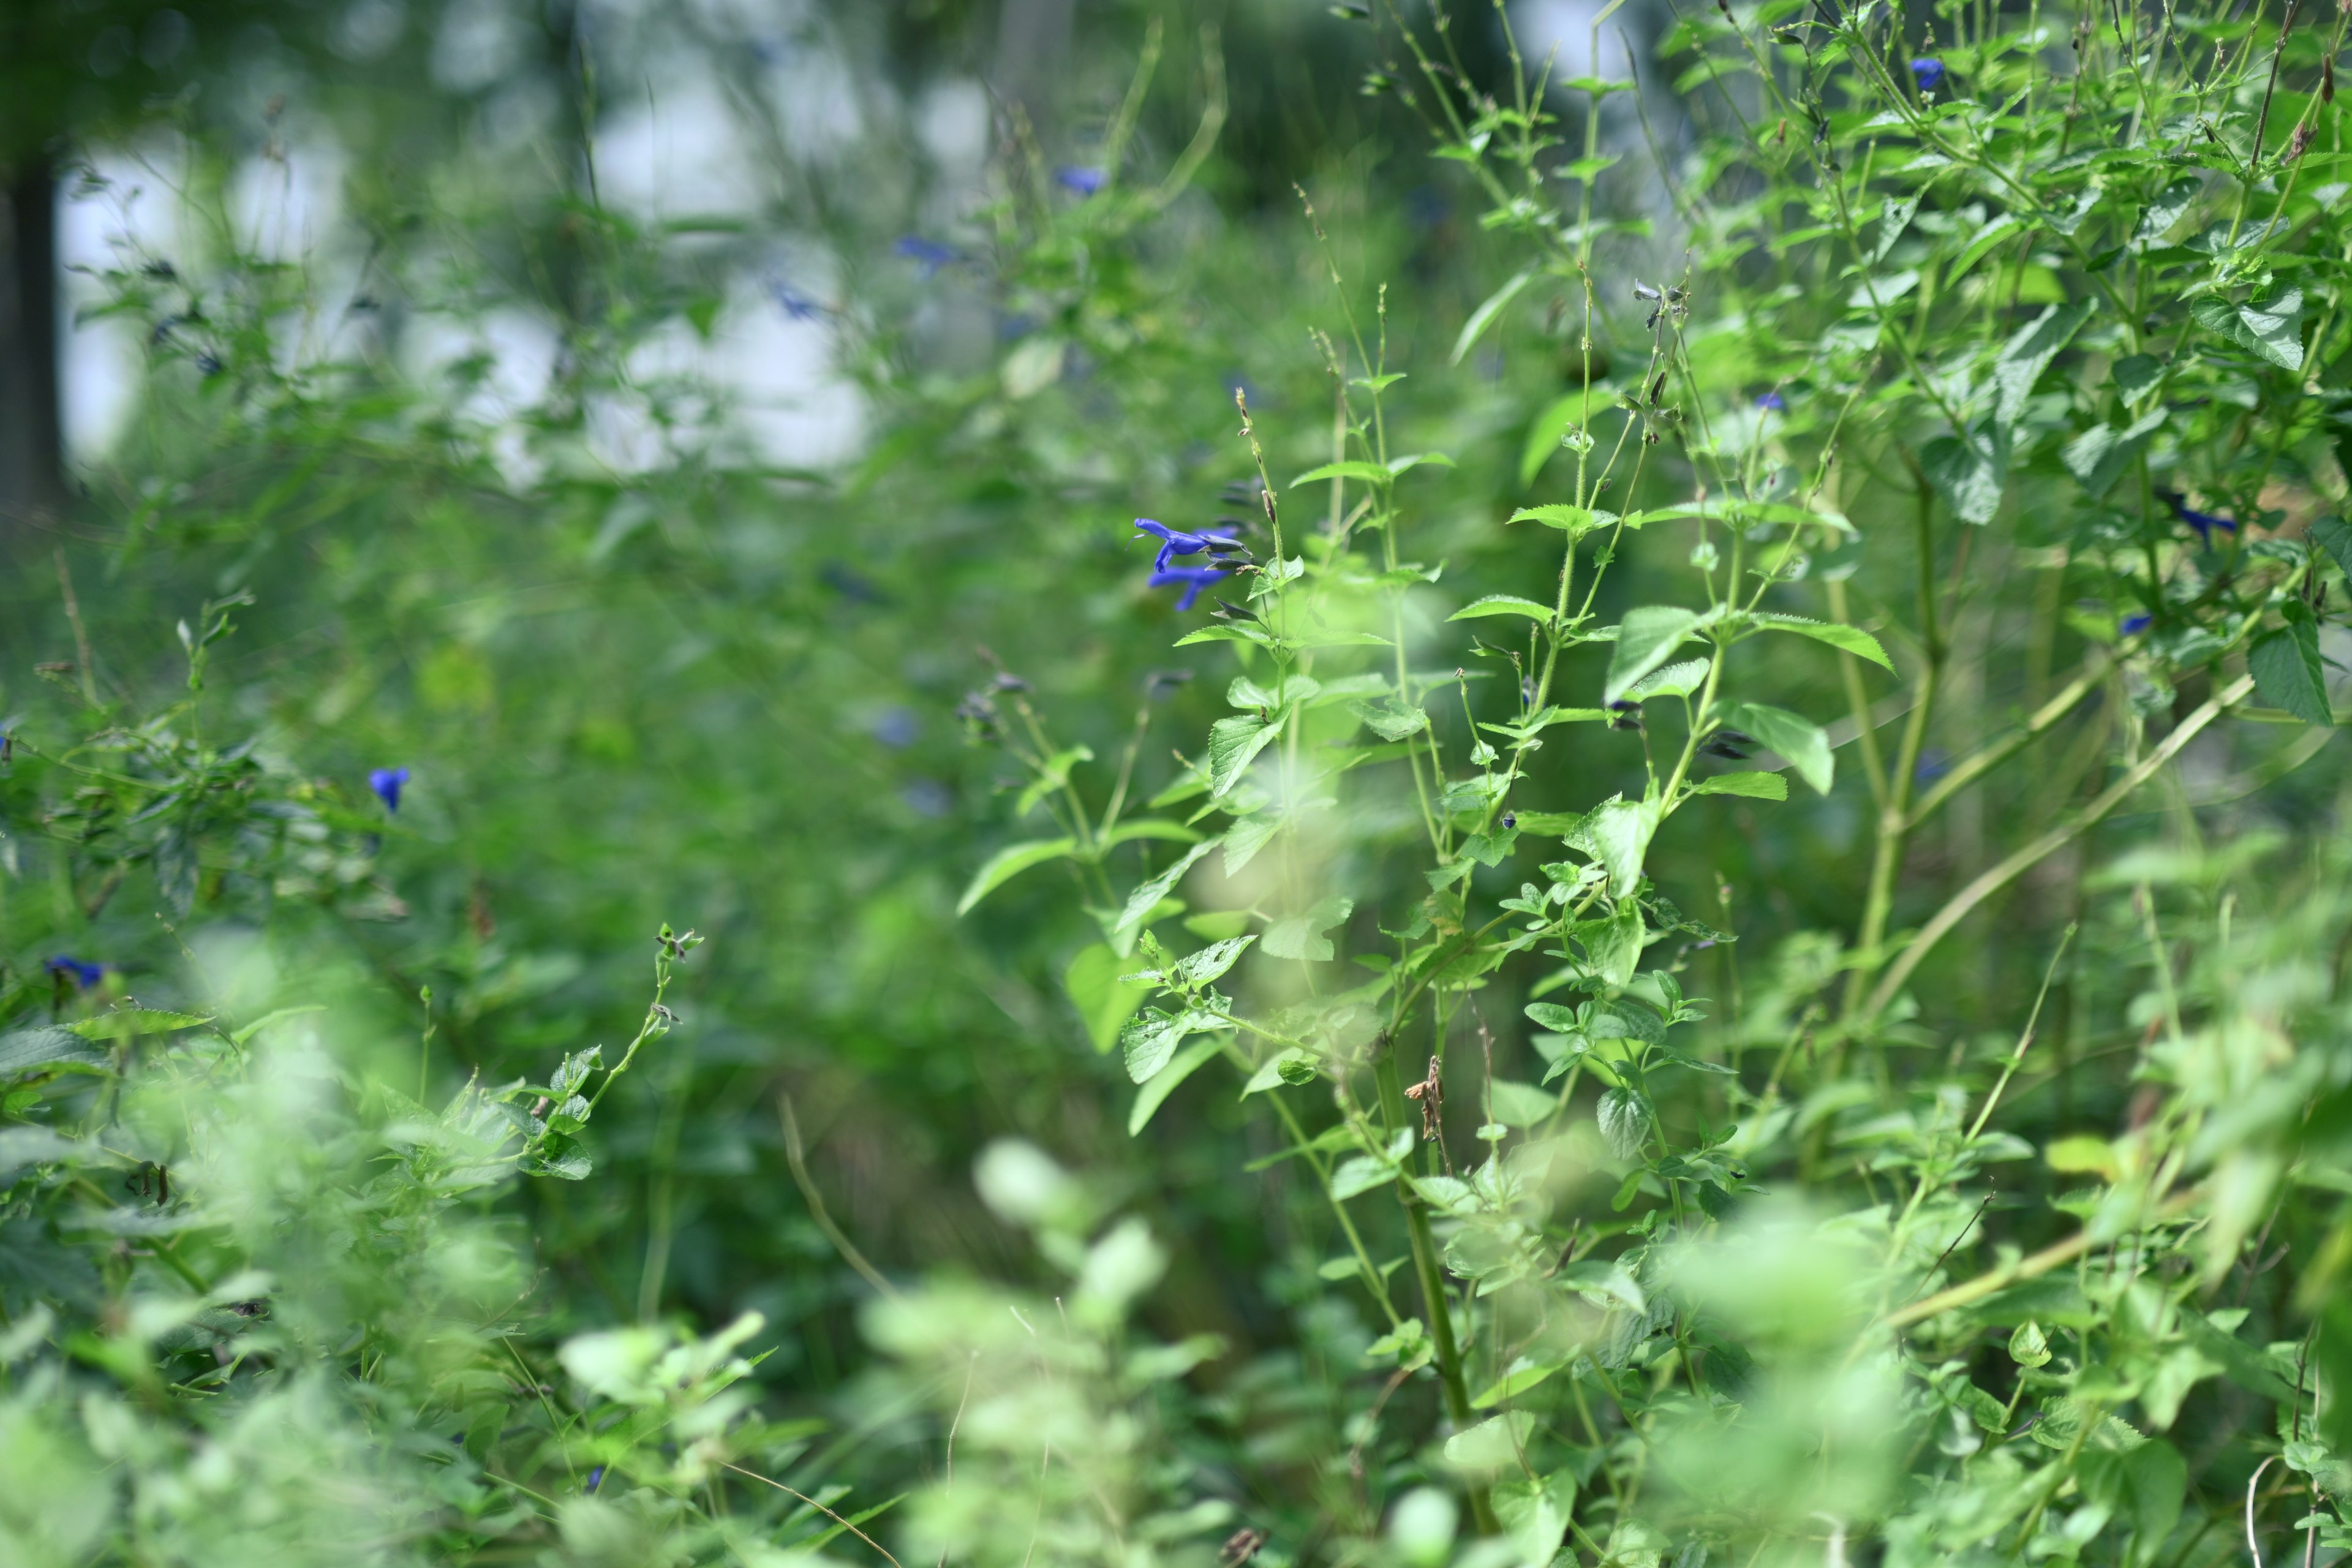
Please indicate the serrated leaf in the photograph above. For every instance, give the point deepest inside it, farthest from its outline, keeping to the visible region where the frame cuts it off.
(123, 1023)
(1233, 744)
(1753, 786)
(27, 1050)
(2029, 353)
(1576, 522)
(1615, 945)
(2334, 536)
(1800, 740)
(2098, 457)
(1010, 862)
(1359, 1174)
(1390, 717)
(1152, 1095)
(2272, 327)
(1624, 1115)
(2286, 667)
(1503, 605)
(1301, 936)
(1146, 897)
(1210, 963)
(1148, 1043)
(1844, 638)
(1522, 1376)
(1969, 470)
(1646, 638)
(1617, 834)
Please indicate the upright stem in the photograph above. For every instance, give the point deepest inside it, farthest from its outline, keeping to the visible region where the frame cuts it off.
(1426, 1267)
(1895, 800)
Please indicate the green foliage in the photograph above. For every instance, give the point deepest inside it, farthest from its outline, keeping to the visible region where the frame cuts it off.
(1426, 1184)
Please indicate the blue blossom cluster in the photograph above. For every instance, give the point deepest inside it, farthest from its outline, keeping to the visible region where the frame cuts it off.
(1219, 543)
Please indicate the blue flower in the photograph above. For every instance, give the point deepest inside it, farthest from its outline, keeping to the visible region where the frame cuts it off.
(897, 727)
(792, 302)
(1192, 578)
(1933, 763)
(1086, 182)
(2204, 522)
(1174, 541)
(596, 1480)
(1771, 402)
(1929, 74)
(2134, 625)
(85, 975)
(930, 252)
(387, 783)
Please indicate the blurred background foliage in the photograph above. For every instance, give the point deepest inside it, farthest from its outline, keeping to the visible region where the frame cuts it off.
(646, 425)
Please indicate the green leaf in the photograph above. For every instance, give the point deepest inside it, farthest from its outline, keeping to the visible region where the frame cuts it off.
(2098, 457)
(1149, 827)
(1149, 1099)
(1209, 966)
(1576, 522)
(123, 1023)
(1148, 1043)
(1615, 945)
(1389, 717)
(2029, 353)
(2334, 536)
(1646, 638)
(1483, 315)
(26, 1050)
(1524, 1374)
(1492, 1445)
(1519, 1104)
(1545, 434)
(1010, 862)
(1301, 936)
(2027, 1348)
(1104, 1001)
(1678, 680)
(2271, 327)
(1844, 638)
(1359, 1174)
(1755, 786)
(1969, 470)
(1618, 834)
(1624, 1115)
(1503, 605)
(1146, 898)
(2286, 667)
(1291, 1066)
(1233, 744)
(1795, 737)
(1353, 468)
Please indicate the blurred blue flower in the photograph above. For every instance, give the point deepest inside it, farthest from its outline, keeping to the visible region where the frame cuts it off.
(1192, 578)
(1929, 74)
(1075, 177)
(2133, 624)
(792, 302)
(85, 975)
(926, 797)
(1934, 764)
(387, 783)
(1176, 541)
(2204, 522)
(596, 1480)
(930, 252)
(1770, 402)
(897, 727)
